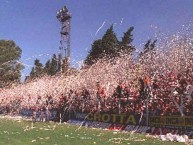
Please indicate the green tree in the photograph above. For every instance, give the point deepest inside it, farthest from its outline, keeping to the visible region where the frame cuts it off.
(106, 47)
(109, 47)
(95, 53)
(51, 66)
(47, 67)
(32, 73)
(10, 66)
(59, 62)
(37, 70)
(109, 43)
(148, 50)
(54, 65)
(126, 43)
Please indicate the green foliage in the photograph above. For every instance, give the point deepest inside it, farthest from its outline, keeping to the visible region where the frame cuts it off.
(126, 43)
(10, 67)
(37, 70)
(51, 66)
(32, 73)
(109, 46)
(47, 67)
(59, 62)
(149, 47)
(148, 50)
(105, 47)
(54, 65)
(95, 53)
(109, 43)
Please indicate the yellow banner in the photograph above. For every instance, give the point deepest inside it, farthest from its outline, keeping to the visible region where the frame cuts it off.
(171, 121)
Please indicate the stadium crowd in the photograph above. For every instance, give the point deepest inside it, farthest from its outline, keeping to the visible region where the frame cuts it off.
(171, 96)
(164, 95)
(161, 84)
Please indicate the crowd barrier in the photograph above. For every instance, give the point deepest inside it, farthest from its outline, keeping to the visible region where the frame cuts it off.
(173, 122)
(157, 125)
(52, 114)
(132, 119)
(170, 122)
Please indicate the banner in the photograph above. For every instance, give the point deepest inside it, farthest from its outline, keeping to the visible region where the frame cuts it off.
(131, 119)
(28, 113)
(175, 122)
(172, 122)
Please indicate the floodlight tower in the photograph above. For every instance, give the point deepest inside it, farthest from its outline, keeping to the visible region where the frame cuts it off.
(64, 17)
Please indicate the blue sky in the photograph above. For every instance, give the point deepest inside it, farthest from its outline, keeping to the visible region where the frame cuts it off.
(32, 24)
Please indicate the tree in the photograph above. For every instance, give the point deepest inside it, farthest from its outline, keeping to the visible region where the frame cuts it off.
(109, 43)
(105, 47)
(47, 67)
(149, 47)
(59, 62)
(95, 53)
(148, 50)
(32, 73)
(52, 66)
(109, 47)
(37, 70)
(126, 43)
(10, 66)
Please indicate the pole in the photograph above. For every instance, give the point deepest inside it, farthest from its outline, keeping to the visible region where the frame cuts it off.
(147, 108)
(119, 106)
(60, 118)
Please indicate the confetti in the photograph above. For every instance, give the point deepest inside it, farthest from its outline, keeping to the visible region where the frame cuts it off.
(172, 57)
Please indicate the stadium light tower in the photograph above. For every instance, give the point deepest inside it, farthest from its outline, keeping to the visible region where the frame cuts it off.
(64, 18)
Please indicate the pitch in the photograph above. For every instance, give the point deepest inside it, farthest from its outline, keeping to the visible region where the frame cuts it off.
(20, 132)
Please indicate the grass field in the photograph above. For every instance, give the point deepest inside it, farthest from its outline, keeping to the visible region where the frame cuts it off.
(14, 132)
